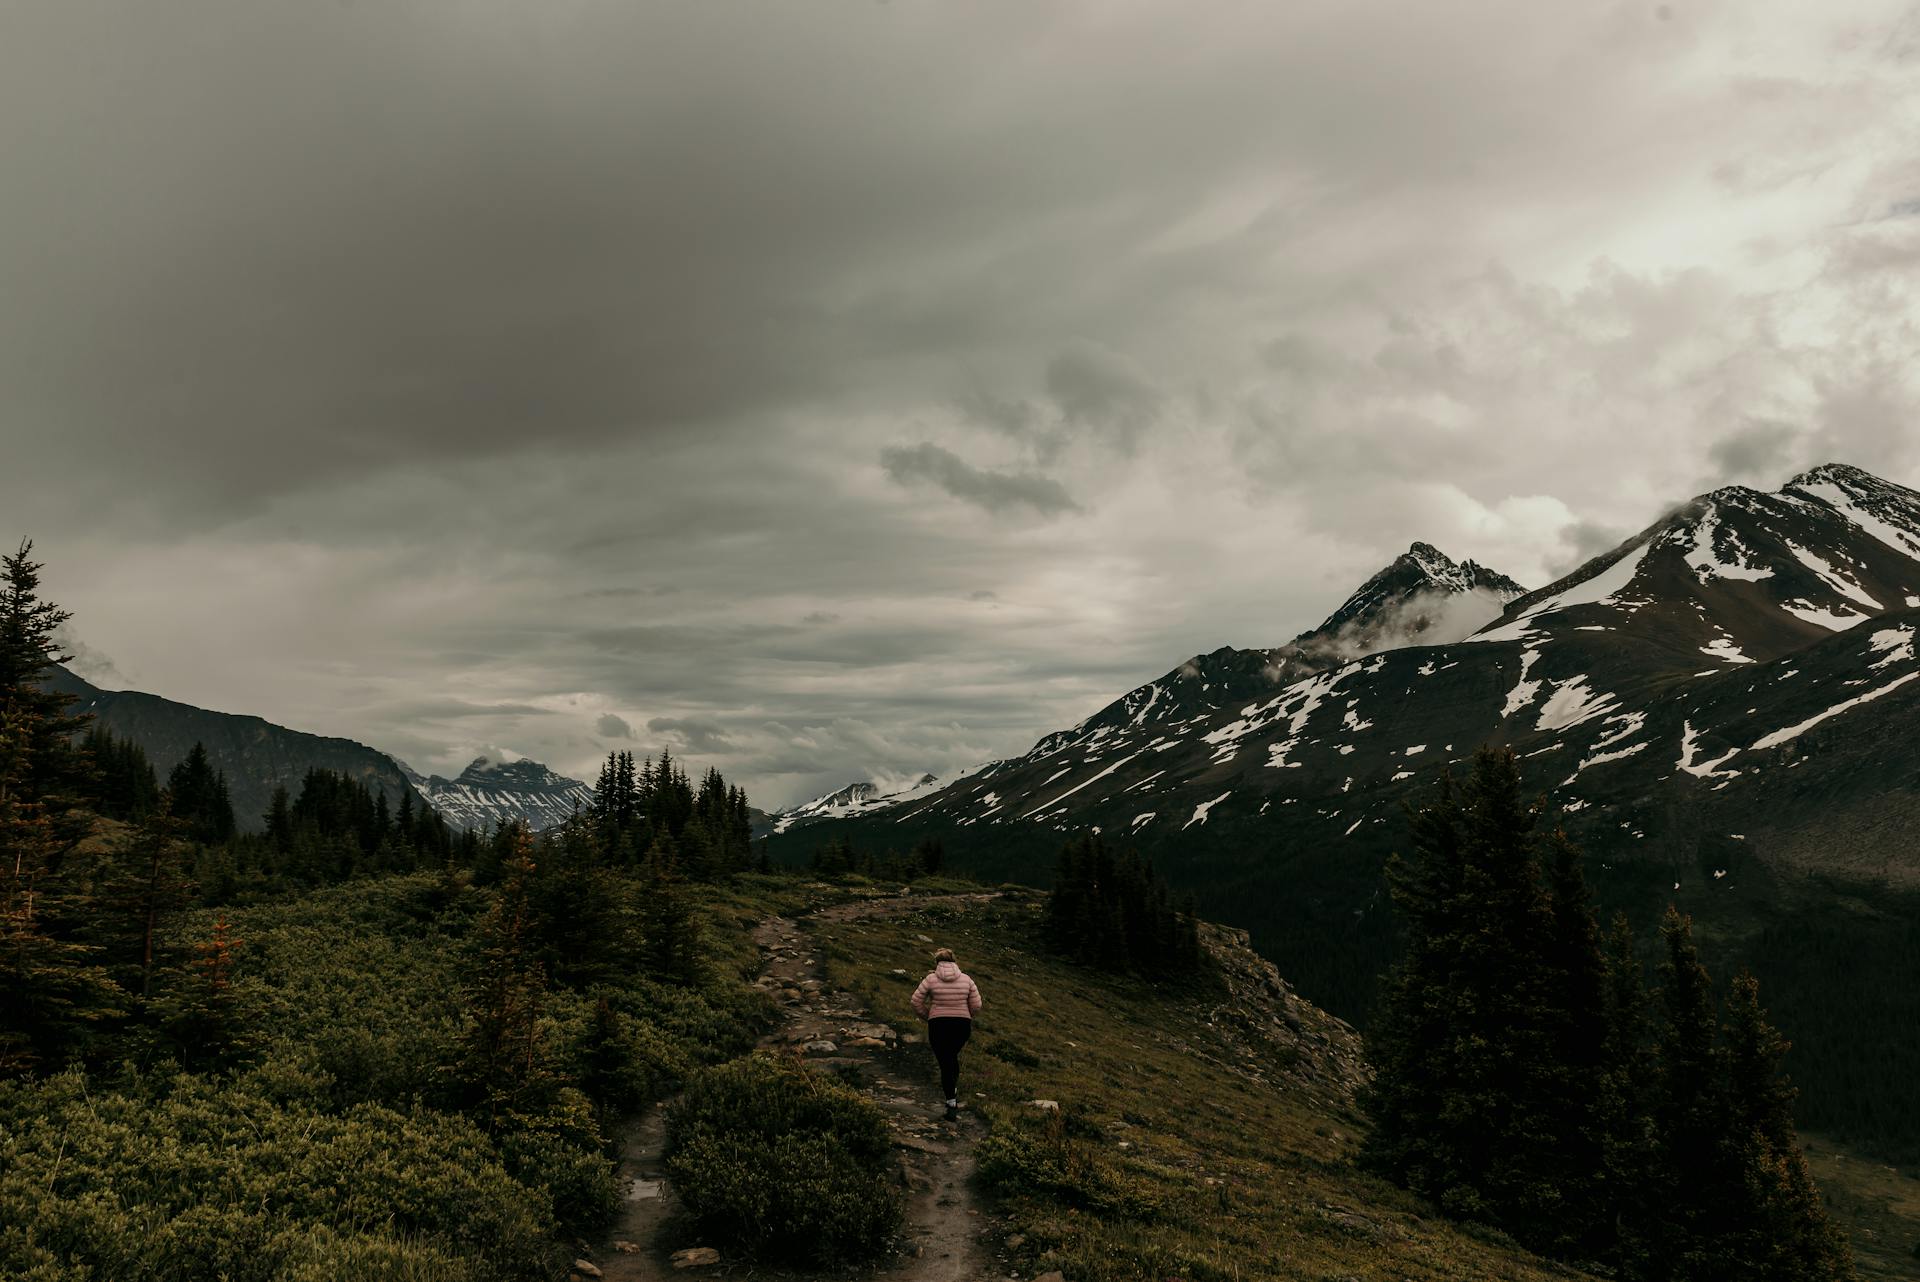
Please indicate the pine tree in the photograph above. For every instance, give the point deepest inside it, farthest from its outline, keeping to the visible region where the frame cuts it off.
(1411, 1043)
(200, 1011)
(279, 820)
(1582, 1105)
(1494, 1022)
(200, 798)
(1793, 1238)
(55, 992)
(1629, 1081)
(669, 933)
(54, 769)
(123, 786)
(508, 1061)
(144, 889)
(1691, 1177)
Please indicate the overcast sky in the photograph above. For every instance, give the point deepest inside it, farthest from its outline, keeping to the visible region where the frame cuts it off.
(831, 389)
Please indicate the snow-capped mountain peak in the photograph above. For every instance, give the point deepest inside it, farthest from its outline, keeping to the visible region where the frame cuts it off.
(488, 791)
(1696, 664)
(1422, 597)
(855, 798)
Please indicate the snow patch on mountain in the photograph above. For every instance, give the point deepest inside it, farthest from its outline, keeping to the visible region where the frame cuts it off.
(488, 792)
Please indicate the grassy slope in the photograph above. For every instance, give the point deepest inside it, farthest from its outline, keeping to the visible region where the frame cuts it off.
(1879, 1206)
(1244, 1179)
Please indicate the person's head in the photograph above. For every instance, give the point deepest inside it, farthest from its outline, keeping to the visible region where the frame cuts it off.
(943, 955)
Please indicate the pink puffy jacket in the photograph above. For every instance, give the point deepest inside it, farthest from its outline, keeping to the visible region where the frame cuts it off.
(945, 993)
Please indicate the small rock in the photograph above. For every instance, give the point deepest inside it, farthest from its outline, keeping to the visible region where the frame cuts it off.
(627, 1248)
(1054, 1276)
(1017, 1241)
(821, 1047)
(1045, 1106)
(695, 1257)
(586, 1268)
(910, 1039)
(899, 970)
(866, 1041)
(925, 939)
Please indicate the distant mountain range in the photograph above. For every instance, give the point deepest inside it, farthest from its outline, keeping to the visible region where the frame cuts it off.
(1422, 594)
(488, 791)
(255, 755)
(855, 798)
(1723, 701)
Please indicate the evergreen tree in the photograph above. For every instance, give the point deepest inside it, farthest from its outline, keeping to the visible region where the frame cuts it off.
(199, 797)
(279, 819)
(508, 1062)
(1629, 1081)
(1690, 1177)
(1491, 1051)
(1582, 1106)
(55, 991)
(1411, 1043)
(29, 652)
(1110, 910)
(124, 786)
(669, 933)
(199, 1010)
(144, 888)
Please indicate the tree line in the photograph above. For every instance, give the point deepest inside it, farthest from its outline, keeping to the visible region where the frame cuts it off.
(1110, 909)
(1525, 1078)
(928, 858)
(88, 951)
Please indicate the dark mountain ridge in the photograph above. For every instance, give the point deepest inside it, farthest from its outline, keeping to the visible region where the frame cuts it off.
(256, 755)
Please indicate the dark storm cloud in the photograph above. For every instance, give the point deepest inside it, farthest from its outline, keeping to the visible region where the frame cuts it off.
(1757, 451)
(694, 736)
(499, 375)
(610, 726)
(986, 488)
(1099, 389)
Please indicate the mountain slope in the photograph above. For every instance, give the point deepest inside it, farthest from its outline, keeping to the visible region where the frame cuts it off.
(1693, 650)
(855, 798)
(1722, 706)
(488, 792)
(256, 755)
(1423, 593)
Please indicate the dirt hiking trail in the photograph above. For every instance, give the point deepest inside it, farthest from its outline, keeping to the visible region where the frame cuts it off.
(834, 1033)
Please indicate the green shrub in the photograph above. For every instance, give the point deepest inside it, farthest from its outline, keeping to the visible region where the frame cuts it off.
(1044, 1160)
(562, 1151)
(788, 1165)
(193, 1178)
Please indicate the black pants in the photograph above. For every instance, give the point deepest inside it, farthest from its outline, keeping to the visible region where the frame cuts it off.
(947, 1035)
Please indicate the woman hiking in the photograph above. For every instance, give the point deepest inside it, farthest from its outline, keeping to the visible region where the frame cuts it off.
(947, 999)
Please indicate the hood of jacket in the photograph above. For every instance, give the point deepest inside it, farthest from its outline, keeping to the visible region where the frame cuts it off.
(947, 973)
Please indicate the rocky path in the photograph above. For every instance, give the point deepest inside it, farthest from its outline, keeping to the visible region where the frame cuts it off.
(835, 1034)
(626, 1251)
